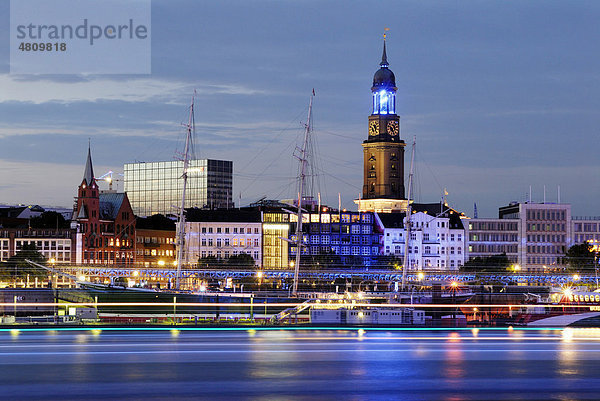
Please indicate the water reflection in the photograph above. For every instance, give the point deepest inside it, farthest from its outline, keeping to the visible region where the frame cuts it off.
(304, 364)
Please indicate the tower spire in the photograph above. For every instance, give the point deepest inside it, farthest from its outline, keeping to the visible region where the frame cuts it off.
(384, 62)
(88, 174)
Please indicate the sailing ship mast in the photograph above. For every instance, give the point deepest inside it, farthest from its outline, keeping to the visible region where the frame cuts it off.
(303, 162)
(181, 227)
(408, 214)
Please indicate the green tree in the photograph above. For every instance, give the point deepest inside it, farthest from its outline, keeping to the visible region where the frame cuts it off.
(580, 257)
(242, 260)
(490, 263)
(49, 220)
(324, 260)
(209, 262)
(17, 267)
(389, 262)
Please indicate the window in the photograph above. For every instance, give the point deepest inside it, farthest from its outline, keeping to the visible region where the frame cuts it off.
(210, 242)
(218, 242)
(218, 230)
(256, 245)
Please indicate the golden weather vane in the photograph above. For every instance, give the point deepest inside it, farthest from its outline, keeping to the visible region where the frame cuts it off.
(385, 32)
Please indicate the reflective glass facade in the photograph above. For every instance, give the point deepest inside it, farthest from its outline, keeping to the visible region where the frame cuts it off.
(157, 187)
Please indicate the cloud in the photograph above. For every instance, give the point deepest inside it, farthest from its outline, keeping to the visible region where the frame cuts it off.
(81, 89)
(40, 183)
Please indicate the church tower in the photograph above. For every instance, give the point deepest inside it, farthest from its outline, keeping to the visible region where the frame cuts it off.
(383, 151)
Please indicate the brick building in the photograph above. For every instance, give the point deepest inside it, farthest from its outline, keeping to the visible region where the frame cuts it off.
(104, 224)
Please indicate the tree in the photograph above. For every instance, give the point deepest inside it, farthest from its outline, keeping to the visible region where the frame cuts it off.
(389, 262)
(17, 266)
(490, 263)
(241, 260)
(210, 262)
(49, 220)
(323, 260)
(580, 257)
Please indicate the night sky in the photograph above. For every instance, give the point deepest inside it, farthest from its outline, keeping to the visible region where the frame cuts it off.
(500, 96)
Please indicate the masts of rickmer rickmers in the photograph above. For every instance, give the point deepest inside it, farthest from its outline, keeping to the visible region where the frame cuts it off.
(408, 214)
(181, 227)
(302, 178)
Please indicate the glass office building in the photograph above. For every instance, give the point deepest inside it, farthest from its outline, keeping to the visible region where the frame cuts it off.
(157, 187)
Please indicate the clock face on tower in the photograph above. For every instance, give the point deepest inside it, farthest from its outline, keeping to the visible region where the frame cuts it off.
(373, 128)
(392, 128)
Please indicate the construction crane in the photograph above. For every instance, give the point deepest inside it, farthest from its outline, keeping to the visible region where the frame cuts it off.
(109, 177)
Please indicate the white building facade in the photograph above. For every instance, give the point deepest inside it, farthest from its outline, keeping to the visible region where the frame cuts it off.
(221, 235)
(437, 241)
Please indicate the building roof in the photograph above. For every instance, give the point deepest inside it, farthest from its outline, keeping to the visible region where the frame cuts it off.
(392, 220)
(110, 203)
(396, 220)
(155, 222)
(384, 77)
(223, 215)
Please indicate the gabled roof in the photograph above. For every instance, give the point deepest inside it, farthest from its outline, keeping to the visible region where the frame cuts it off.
(82, 214)
(110, 203)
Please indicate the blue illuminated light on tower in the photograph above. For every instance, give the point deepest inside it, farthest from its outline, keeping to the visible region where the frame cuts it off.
(384, 88)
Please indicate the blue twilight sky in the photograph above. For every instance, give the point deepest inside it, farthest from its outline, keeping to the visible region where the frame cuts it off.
(500, 95)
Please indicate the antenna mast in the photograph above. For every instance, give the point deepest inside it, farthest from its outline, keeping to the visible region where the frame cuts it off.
(408, 213)
(181, 228)
(303, 162)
